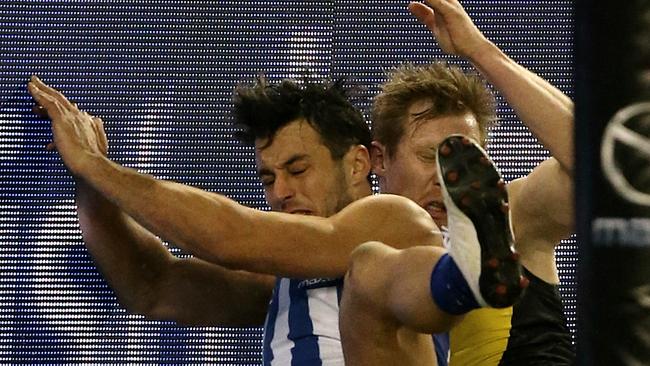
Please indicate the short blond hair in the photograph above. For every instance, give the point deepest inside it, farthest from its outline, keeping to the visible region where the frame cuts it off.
(451, 91)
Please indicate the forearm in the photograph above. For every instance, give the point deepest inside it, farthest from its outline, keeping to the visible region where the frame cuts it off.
(129, 257)
(218, 230)
(544, 109)
(194, 220)
(197, 293)
(149, 281)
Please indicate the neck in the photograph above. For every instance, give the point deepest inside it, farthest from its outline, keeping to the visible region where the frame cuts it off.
(363, 190)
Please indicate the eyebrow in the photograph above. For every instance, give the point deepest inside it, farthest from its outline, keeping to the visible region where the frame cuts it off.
(294, 158)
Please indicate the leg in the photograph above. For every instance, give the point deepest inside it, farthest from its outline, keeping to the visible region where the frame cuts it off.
(420, 289)
(377, 322)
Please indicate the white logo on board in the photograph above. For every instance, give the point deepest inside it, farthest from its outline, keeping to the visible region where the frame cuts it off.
(623, 129)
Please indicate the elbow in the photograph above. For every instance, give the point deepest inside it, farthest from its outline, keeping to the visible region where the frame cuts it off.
(142, 292)
(153, 308)
(563, 163)
(140, 304)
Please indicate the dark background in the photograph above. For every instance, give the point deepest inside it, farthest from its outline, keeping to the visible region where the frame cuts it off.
(613, 74)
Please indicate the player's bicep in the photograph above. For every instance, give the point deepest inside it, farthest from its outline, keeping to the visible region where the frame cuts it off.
(307, 246)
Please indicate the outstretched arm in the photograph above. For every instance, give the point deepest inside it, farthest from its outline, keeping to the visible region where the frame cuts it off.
(148, 280)
(542, 202)
(542, 107)
(219, 230)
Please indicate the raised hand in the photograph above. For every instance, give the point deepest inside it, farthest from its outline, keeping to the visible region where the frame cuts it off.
(77, 134)
(454, 30)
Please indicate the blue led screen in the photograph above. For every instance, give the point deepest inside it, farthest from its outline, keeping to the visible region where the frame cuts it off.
(161, 74)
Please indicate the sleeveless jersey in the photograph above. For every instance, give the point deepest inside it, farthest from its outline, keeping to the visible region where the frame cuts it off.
(302, 324)
(533, 332)
(481, 337)
(539, 334)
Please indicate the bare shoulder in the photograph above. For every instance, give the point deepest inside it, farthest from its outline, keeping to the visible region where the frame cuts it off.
(390, 208)
(394, 220)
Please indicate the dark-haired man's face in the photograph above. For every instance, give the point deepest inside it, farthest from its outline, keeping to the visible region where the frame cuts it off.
(411, 171)
(298, 173)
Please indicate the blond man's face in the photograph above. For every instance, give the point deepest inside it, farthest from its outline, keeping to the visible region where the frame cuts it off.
(411, 171)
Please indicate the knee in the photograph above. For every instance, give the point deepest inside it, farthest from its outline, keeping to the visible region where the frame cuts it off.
(367, 251)
(365, 272)
(364, 258)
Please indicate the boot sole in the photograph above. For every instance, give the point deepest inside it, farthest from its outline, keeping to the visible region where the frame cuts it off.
(476, 188)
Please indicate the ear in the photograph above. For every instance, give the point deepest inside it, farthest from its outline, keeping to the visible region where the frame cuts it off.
(378, 158)
(360, 163)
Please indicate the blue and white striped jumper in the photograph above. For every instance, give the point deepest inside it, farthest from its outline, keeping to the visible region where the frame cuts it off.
(302, 325)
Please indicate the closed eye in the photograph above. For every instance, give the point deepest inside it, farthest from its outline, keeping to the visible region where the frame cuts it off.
(297, 171)
(428, 157)
(297, 167)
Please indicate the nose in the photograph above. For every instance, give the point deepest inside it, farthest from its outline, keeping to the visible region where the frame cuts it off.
(283, 190)
(434, 178)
